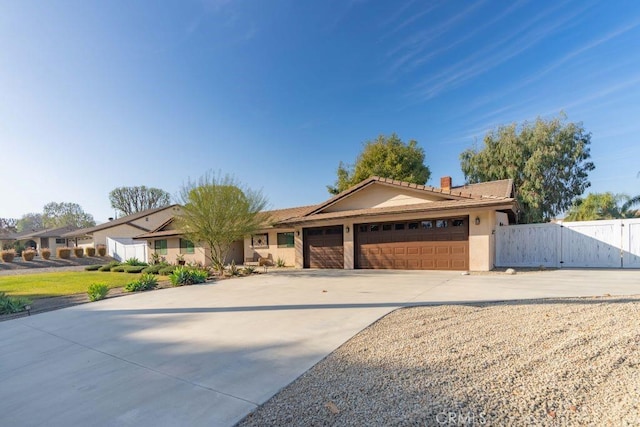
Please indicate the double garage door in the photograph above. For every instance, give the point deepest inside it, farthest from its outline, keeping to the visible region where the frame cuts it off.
(430, 244)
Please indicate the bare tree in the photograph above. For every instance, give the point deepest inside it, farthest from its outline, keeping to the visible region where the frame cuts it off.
(130, 200)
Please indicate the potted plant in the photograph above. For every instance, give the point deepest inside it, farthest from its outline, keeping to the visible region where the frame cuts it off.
(180, 259)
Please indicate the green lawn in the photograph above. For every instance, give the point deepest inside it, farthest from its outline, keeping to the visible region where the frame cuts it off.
(56, 284)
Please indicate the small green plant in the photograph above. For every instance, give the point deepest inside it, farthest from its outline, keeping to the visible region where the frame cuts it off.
(45, 253)
(133, 268)
(118, 268)
(63, 252)
(90, 251)
(180, 259)
(135, 262)
(8, 255)
(28, 254)
(144, 283)
(102, 250)
(78, 252)
(248, 270)
(108, 267)
(97, 291)
(10, 305)
(154, 268)
(233, 269)
(94, 267)
(156, 258)
(280, 263)
(165, 271)
(187, 276)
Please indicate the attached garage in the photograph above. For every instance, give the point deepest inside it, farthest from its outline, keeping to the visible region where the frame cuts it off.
(428, 244)
(323, 247)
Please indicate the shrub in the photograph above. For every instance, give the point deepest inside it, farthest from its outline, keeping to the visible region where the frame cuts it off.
(45, 253)
(187, 276)
(90, 251)
(63, 252)
(144, 283)
(135, 262)
(94, 267)
(28, 254)
(134, 268)
(165, 271)
(118, 268)
(19, 247)
(8, 255)
(10, 305)
(249, 270)
(154, 269)
(102, 250)
(108, 267)
(97, 291)
(280, 263)
(233, 269)
(78, 252)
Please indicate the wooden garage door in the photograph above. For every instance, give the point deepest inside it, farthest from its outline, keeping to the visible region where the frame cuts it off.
(430, 244)
(323, 247)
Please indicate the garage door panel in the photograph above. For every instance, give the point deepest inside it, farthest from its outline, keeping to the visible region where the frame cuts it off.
(324, 247)
(443, 247)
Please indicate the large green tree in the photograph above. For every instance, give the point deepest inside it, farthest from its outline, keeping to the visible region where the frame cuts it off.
(66, 214)
(129, 200)
(30, 222)
(387, 157)
(600, 206)
(217, 211)
(548, 161)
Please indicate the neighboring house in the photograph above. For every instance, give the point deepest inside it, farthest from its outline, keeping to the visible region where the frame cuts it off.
(50, 238)
(379, 223)
(126, 227)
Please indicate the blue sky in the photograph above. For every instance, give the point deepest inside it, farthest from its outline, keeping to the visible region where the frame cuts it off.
(97, 95)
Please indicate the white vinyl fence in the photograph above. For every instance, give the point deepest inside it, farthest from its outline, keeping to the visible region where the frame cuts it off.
(604, 244)
(122, 249)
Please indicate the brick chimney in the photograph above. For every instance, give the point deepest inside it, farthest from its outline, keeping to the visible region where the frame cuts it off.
(445, 183)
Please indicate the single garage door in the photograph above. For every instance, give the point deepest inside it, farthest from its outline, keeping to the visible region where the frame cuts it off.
(323, 247)
(430, 244)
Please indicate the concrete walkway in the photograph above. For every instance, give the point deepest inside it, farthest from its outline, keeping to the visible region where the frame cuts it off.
(209, 354)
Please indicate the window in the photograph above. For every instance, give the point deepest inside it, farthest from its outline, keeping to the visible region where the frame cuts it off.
(457, 222)
(260, 241)
(285, 240)
(375, 227)
(399, 227)
(160, 246)
(441, 223)
(363, 228)
(413, 226)
(427, 224)
(315, 232)
(333, 230)
(61, 241)
(186, 246)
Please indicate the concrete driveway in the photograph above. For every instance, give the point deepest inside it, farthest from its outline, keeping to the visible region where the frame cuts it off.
(209, 354)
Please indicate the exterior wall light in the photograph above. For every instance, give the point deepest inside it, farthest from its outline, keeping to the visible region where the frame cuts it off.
(346, 229)
(477, 220)
(298, 233)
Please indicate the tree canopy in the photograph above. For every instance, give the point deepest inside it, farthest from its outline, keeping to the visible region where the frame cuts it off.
(601, 206)
(30, 222)
(387, 157)
(217, 211)
(65, 214)
(129, 200)
(548, 161)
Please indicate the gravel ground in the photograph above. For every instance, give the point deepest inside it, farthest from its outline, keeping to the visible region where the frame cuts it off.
(545, 362)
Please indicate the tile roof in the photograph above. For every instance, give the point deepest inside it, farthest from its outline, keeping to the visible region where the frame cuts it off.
(123, 220)
(49, 232)
(500, 188)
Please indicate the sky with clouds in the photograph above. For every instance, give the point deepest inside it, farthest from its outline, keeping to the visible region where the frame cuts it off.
(97, 95)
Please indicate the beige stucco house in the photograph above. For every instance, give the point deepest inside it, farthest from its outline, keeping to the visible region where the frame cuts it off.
(125, 227)
(379, 223)
(50, 238)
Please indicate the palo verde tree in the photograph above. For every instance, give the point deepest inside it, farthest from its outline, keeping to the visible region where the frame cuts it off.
(387, 157)
(65, 214)
(217, 211)
(548, 161)
(129, 200)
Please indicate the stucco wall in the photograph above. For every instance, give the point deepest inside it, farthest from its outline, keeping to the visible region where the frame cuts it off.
(173, 250)
(123, 230)
(273, 251)
(378, 196)
(482, 241)
(155, 220)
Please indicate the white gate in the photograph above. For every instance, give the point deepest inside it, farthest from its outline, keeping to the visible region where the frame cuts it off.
(604, 244)
(124, 248)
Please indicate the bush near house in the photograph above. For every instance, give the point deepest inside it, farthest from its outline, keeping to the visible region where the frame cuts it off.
(8, 255)
(109, 266)
(78, 252)
(134, 268)
(165, 271)
(135, 262)
(94, 267)
(63, 253)
(90, 251)
(144, 283)
(10, 305)
(102, 250)
(118, 268)
(28, 254)
(97, 291)
(45, 253)
(188, 276)
(155, 269)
